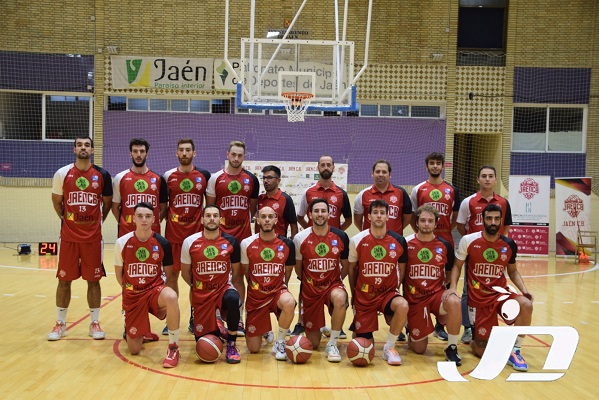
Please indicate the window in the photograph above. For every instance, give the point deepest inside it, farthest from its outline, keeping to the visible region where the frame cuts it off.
(544, 128)
(482, 24)
(40, 116)
(159, 104)
(401, 110)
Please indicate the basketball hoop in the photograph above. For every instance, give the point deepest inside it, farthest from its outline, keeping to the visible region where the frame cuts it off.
(296, 105)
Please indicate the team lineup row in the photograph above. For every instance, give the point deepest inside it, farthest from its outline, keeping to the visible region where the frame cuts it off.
(213, 248)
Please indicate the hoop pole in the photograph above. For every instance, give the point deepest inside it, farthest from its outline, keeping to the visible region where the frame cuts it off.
(366, 45)
(226, 55)
(284, 37)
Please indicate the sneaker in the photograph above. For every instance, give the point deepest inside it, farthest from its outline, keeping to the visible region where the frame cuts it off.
(59, 330)
(298, 329)
(95, 331)
(451, 354)
(401, 337)
(391, 356)
(467, 336)
(440, 333)
(326, 331)
(172, 356)
(165, 331)
(517, 361)
(342, 335)
(333, 354)
(288, 332)
(150, 337)
(240, 329)
(269, 337)
(222, 330)
(233, 356)
(190, 327)
(279, 350)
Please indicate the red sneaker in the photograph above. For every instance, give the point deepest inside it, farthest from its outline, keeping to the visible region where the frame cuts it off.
(172, 356)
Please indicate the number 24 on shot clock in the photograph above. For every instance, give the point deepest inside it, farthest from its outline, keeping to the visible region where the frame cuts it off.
(48, 248)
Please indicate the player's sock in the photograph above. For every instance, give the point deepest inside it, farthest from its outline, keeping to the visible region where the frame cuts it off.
(231, 338)
(61, 314)
(334, 337)
(518, 344)
(173, 336)
(281, 333)
(452, 339)
(391, 338)
(94, 314)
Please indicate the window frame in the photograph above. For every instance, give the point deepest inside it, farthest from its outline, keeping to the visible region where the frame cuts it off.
(548, 107)
(410, 104)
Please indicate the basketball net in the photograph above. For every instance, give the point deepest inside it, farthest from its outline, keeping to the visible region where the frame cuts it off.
(296, 105)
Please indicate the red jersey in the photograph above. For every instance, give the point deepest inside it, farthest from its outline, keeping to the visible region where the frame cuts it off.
(82, 202)
(395, 196)
(131, 188)
(283, 205)
(486, 266)
(444, 197)
(321, 259)
(266, 263)
(185, 201)
(233, 194)
(471, 212)
(210, 262)
(426, 268)
(337, 198)
(142, 262)
(378, 259)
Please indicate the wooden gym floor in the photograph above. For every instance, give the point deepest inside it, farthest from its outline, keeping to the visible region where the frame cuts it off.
(566, 294)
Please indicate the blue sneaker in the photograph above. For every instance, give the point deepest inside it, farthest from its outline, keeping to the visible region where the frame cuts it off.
(517, 361)
(165, 331)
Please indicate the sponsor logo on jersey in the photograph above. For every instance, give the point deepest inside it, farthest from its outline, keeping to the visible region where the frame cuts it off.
(377, 269)
(234, 202)
(138, 270)
(441, 207)
(488, 270)
(425, 271)
(187, 200)
(134, 199)
(82, 199)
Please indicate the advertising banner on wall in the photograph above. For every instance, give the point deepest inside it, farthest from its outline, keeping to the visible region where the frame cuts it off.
(131, 72)
(297, 176)
(529, 200)
(572, 212)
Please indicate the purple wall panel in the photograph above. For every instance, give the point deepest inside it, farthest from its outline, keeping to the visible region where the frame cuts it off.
(38, 71)
(356, 141)
(552, 85)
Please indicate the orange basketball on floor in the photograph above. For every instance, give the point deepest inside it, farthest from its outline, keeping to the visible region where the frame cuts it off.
(298, 349)
(360, 351)
(209, 348)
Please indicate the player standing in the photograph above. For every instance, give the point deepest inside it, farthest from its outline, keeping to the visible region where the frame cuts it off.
(321, 254)
(278, 200)
(135, 185)
(186, 186)
(429, 256)
(81, 196)
(444, 197)
(268, 259)
(377, 263)
(234, 190)
(400, 207)
(208, 259)
(470, 220)
(489, 256)
(142, 260)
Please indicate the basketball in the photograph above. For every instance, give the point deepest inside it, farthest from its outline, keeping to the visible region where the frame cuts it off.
(360, 351)
(298, 349)
(209, 348)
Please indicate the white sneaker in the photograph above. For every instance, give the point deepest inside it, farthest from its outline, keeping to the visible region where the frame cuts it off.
(269, 337)
(333, 354)
(326, 331)
(279, 350)
(391, 356)
(59, 330)
(95, 331)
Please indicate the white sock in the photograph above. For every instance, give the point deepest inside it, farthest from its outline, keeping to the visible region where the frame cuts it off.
(452, 339)
(391, 338)
(518, 343)
(281, 334)
(94, 314)
(61, 314)
(173, 336)
(334, 337)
